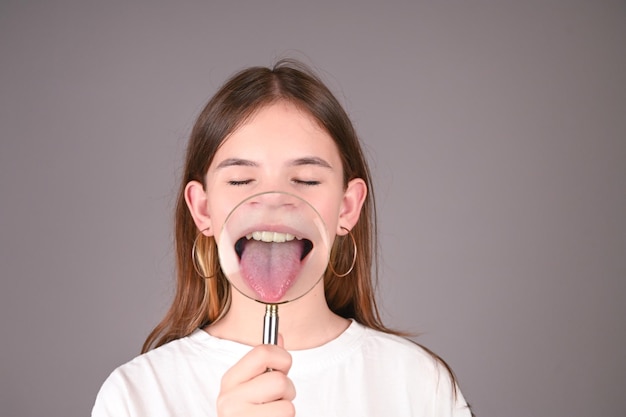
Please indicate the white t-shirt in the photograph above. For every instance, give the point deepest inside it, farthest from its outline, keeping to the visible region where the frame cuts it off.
(362, 373)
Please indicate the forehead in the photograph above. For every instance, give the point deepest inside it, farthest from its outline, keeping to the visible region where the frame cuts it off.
(280, 130)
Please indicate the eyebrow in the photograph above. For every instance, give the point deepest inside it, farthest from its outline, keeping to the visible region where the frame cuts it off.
(232, 162)
(309, 160)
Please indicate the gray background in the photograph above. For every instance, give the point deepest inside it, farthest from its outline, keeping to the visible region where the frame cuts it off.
(496, 131)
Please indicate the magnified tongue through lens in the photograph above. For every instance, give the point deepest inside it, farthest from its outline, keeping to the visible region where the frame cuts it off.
(270, 262)
(273, 248)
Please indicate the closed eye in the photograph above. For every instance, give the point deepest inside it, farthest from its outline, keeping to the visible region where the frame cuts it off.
(239, 182)
(306, 182)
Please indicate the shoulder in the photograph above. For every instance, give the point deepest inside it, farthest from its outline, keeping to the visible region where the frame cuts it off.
(143, 367)
(399, 349)
(420, 370)
(162, 358)
(197, 348)
(173, 368)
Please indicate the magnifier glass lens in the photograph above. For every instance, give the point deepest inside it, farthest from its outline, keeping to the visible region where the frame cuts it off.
(274, 247)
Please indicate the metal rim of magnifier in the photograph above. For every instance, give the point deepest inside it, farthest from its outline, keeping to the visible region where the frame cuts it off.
(244, 201)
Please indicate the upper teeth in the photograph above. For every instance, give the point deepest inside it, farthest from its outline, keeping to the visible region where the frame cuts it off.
(271, 236)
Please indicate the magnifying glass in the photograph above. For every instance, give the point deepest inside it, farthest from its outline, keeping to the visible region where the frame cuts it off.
(273, 248)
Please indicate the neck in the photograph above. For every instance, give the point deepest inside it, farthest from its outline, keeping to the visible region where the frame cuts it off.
(303, 324)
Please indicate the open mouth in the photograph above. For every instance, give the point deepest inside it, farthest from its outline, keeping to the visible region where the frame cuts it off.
(270, 262)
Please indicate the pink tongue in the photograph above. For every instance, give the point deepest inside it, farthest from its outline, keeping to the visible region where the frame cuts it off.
(271, 268)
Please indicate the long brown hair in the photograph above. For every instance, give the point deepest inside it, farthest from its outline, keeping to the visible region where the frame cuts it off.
(199, 301)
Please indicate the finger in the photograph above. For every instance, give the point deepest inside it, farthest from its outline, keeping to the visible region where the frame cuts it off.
(269, 394)
(277, 409)
(265, 388)
(255, 363)
(281, 408)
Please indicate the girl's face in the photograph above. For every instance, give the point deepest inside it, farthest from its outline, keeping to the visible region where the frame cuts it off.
(281, 148)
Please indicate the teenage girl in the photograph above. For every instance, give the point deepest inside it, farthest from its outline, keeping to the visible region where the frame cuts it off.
(277, 129)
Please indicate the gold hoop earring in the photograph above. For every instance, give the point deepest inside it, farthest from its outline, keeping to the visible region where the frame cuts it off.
(353, 258)
(197, 265)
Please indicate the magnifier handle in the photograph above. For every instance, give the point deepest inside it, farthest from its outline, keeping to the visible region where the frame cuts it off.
(270, 325)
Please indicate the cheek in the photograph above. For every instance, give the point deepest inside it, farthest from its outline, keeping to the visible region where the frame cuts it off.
(329, 210)
(218, 210)
(221, 201)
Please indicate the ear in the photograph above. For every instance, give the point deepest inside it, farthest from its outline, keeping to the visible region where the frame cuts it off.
(196, 200)
(351, 205)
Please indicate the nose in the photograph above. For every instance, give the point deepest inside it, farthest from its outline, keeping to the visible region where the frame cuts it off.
(275, 199)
